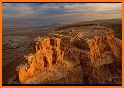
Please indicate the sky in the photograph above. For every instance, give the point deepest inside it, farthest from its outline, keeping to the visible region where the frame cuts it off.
(64, 13)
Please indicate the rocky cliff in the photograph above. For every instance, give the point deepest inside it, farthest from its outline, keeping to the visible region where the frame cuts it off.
(91, 52)
(47, 53)
(97, 50)
(104, 48)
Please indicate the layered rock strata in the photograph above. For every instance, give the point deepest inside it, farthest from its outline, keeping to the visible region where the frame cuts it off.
(93, 49)
(47, 53)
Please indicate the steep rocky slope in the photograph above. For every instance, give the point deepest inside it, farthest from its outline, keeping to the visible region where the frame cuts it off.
(89, 54)
(47, 53)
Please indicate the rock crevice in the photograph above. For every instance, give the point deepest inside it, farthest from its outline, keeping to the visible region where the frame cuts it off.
(47, 53)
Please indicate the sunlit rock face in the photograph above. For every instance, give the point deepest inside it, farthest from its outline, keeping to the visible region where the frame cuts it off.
(104, 48)
(98, 51)
(89, 54)
(47, 53)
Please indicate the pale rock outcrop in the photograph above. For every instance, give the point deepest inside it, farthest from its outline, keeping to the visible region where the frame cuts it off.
(47, 53)
(104, 48)
(93, 49)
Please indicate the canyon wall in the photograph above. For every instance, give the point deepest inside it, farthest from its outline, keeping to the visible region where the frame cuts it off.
(47, 53)
(104, 48)
(99, 55)
(94, 50)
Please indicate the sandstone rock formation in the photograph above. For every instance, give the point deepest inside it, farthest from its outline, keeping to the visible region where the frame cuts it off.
(93, 53)
(103, 48)
(47, 53)
(98, 51)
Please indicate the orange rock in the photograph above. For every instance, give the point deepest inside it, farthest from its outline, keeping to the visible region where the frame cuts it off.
(47, 53)
(104, 43)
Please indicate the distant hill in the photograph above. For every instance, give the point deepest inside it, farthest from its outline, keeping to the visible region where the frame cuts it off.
(28, 22)
(102, 21)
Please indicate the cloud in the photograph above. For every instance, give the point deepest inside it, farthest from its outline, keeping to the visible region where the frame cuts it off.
(18, 10)
(62, 12)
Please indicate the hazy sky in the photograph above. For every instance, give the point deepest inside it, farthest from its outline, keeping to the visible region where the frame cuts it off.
(61, 12)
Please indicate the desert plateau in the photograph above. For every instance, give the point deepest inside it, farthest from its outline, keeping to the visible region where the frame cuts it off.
(81, 52)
